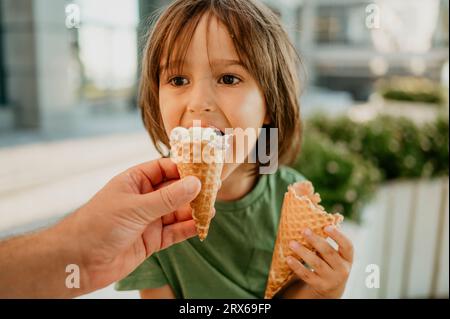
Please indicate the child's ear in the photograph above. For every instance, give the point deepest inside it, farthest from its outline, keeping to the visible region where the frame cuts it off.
(267, 119)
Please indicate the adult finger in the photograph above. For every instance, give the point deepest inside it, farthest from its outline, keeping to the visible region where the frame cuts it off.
(178, 232)
(182, 214)
(168, 199)
(155, 172)
(185, 213)
(165, 183)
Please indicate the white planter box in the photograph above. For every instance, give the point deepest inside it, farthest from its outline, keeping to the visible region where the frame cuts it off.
(404, 233)
(416, 111)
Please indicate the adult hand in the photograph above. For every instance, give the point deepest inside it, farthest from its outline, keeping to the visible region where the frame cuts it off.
(139, 212)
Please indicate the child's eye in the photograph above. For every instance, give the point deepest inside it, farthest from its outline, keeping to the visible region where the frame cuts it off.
(178, 81)
(229, 79)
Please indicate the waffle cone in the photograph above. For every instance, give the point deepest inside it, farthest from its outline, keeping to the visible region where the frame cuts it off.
(300, 210)
(208, 170)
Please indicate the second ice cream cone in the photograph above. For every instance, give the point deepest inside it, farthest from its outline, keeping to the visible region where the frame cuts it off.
(300, 210)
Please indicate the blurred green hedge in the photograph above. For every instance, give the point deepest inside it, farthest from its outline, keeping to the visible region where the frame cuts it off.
(411, 89)
(344, 179)
(346, 160)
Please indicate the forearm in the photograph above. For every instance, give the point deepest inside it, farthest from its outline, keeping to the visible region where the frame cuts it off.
(34, 265)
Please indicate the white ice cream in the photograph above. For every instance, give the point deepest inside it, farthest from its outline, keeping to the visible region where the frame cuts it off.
(198, 134)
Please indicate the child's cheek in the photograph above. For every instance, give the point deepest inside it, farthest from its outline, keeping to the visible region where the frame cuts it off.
(169, 112)
(248, 109)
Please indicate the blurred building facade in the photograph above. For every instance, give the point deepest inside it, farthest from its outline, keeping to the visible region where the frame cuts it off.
(57, 68)
(37, 91)
(348, 44)
(62, 61)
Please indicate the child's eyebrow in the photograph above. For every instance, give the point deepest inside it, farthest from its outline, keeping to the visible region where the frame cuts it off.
(226, 62)
(173, 64)
(222, 62)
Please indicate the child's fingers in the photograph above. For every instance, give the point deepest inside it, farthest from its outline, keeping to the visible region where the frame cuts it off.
(315, 262)
(345, 245)
(302, 272)
(326, 251)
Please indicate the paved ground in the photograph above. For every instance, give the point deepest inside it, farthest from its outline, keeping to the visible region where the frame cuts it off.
(44, 181)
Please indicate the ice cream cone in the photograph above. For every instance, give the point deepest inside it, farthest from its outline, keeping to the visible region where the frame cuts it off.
(204, 160)
(202, 206)
(300, 210)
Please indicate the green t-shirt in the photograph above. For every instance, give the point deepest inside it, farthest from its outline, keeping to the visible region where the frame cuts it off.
(234, 260)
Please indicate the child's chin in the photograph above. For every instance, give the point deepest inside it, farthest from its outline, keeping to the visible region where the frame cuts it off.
(228, 169)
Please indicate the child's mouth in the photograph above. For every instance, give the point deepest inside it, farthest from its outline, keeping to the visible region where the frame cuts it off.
(216, 129)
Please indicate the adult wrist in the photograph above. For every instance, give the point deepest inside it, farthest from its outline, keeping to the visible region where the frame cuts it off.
(65, 241)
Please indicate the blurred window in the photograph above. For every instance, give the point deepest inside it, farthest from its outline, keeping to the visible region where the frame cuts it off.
(107, 48)
(342, 24)
(2, 68)
(441, 35)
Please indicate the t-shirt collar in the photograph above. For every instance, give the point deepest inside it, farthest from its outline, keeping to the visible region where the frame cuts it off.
(245, 201)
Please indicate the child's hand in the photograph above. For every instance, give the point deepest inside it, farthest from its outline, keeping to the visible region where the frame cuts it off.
(331, 267)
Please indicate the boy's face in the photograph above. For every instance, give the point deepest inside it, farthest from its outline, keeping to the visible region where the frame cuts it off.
(213, 87)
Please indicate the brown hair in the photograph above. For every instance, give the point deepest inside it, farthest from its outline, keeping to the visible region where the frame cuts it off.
(262, 45)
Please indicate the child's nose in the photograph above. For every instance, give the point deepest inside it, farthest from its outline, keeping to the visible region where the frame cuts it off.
(201, 98)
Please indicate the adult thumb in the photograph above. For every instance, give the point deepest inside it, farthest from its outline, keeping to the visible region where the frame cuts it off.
(169, 198)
